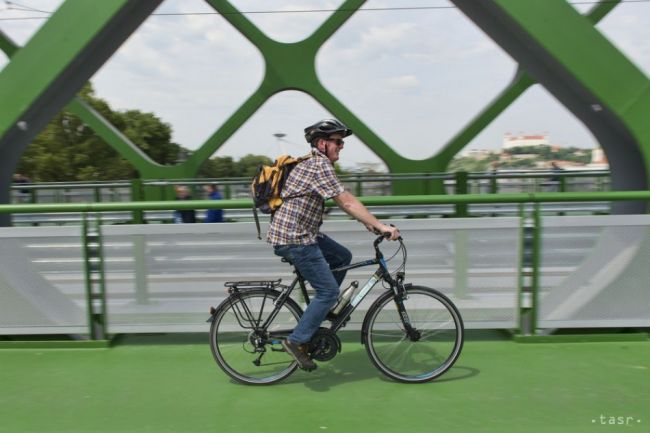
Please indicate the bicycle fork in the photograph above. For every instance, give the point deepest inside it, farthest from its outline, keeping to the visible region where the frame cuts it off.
(413, 334)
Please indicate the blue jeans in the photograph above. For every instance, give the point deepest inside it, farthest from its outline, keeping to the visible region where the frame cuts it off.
(314, 262)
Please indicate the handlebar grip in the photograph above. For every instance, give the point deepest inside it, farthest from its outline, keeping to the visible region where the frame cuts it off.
(385, 234)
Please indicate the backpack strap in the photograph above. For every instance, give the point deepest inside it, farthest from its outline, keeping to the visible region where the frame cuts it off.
(257, 222)
(298, 161)
(255, 214)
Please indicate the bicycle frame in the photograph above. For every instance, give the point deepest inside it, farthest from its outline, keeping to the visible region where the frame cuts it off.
(380, 274)
(341, 319)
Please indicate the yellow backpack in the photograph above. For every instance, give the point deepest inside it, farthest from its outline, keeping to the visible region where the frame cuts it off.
(268, 183)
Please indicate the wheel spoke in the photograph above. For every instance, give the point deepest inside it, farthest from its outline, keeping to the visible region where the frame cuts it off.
(237, 340)
(440, 336)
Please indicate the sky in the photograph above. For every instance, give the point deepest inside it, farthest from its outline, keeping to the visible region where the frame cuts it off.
(415, 77)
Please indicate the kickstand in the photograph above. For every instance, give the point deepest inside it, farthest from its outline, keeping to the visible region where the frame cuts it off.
(258, 361)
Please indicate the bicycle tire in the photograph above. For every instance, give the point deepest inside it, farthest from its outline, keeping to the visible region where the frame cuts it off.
(231, 331)
(390, 349)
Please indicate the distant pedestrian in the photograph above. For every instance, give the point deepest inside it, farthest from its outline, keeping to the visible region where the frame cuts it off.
(494, 167)
(554, 181)
(489, 184)
(24, 195)
(184, 215)
(213, 215)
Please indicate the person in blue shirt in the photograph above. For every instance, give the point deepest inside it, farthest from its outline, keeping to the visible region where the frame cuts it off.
(213, 215)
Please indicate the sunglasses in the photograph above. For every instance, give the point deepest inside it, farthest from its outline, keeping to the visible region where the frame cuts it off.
(338, 141)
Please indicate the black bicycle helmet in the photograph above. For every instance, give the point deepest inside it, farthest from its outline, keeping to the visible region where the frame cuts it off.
(325, 128)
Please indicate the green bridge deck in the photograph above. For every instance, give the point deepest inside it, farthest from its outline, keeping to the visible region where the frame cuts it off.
(497, 386)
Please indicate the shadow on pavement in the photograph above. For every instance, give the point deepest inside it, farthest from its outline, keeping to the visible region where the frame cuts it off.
(354, 365)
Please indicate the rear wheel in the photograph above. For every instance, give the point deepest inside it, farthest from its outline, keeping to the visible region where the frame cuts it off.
(425, 353)
(241, 348)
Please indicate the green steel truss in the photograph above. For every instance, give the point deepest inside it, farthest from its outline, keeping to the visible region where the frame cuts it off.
(581, 57)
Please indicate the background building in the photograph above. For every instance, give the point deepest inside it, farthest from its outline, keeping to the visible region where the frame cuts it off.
(510, 141)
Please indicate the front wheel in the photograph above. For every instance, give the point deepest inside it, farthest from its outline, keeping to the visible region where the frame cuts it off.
(426, 350)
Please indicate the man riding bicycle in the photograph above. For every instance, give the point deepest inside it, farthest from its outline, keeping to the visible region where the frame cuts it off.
(295, 236)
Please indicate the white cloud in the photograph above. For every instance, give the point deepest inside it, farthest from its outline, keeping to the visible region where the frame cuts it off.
(404, 82)
(628, 28)
(290, 26)
(390, 35)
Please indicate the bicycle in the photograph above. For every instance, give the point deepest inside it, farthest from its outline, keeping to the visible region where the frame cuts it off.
(412, 334)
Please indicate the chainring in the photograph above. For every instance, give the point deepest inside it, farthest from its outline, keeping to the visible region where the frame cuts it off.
(324, 345)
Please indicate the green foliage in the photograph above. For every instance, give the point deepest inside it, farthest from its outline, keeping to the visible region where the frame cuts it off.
(573, 154)
(545, 153)
(512, 158)
(151, 135)
(68, 150)
(224, 166)
(248, 165)
(520, 163)
(219, 167)
(340, 171)
(469, 165)
(542, 151)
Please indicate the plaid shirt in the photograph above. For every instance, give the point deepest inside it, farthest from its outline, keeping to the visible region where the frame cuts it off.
(310, 183)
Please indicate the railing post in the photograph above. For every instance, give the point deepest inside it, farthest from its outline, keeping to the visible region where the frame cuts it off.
(358, 188)
(137, 195)
(461, 188)
(94, 279)
(528, 298)
(140, 263)
(494, 184)
(461, 253)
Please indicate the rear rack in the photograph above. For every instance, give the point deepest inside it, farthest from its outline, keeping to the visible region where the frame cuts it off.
(267, 284)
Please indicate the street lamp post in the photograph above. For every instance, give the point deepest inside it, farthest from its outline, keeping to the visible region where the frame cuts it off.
(280, 137)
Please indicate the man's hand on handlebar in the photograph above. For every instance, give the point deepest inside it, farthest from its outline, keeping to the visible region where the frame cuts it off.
(390, 232)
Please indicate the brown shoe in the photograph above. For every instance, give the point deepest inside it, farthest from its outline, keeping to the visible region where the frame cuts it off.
(298, 352)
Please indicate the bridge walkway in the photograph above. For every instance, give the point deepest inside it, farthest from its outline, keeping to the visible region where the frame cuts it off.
(150, 384)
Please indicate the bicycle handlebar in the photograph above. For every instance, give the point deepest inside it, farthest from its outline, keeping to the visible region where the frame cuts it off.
(383, 236)
(380, 239)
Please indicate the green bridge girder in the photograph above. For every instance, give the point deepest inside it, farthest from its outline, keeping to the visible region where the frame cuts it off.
(566, 54)
(553, 43)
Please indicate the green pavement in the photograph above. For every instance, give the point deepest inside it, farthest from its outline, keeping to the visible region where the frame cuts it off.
(496, 386)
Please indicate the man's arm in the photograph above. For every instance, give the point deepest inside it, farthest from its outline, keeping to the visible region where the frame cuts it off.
(353, 207)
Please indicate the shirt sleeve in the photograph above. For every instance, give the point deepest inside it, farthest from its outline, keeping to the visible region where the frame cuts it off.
(326, 182)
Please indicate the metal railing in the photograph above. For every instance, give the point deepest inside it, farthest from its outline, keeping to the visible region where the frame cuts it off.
(530, 212)
(360, 184)
(459, 183)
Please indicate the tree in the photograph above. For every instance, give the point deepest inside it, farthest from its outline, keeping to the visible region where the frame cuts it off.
(68, 150)
(151, 135)
(468, 164)
(219, 167)
(248, 165)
